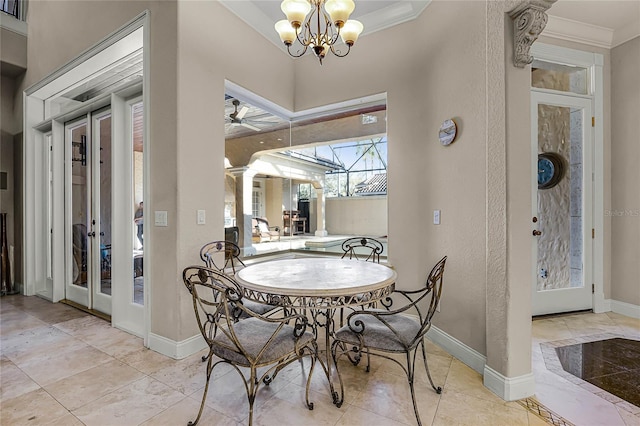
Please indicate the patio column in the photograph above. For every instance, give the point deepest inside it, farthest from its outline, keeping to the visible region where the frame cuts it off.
(244, 207)
(320, 208)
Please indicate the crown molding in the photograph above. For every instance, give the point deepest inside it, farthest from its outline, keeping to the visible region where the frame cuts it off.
(394, 14)
(579, 32)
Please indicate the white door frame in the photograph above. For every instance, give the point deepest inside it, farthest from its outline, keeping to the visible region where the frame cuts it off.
(39, 119)
(594, 63)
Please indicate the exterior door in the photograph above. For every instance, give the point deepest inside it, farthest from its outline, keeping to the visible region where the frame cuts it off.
(562, 203)
(88, 143)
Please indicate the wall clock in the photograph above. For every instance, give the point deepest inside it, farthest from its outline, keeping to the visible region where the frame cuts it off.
(550, 169)
(448, 131)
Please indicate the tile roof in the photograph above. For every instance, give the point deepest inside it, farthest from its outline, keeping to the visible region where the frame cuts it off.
(375, 185)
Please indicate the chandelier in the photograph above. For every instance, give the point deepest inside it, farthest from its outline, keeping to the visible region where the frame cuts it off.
(319, 29)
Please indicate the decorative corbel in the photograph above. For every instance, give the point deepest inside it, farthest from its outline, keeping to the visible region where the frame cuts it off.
(529, 19)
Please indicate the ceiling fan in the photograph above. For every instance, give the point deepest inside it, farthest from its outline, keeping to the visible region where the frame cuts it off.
(236, 118)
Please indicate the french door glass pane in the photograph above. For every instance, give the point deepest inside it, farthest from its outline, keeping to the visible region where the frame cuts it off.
(137, 113)
(105, 204)
(80, 216)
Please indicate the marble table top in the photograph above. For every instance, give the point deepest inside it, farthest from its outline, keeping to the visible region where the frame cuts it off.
(316, 277)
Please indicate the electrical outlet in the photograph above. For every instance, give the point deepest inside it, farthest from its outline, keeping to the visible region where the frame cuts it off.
(436, 217)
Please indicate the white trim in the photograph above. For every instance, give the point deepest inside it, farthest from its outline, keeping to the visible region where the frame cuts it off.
(11, 23)
(176, 350)
(509, 388)
(459, 350)
(624, 308)
(597, 88)
(580, 32)
(563, 55)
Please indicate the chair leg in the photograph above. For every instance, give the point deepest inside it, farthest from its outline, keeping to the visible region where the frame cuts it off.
(410, 377)
(313, 364)
(204, 395)
(438, 389)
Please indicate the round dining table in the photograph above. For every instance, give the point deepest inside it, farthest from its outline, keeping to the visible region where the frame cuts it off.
(319, 286)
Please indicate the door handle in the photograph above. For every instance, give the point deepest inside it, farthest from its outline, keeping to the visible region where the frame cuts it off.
(536, 233)
(102, 234)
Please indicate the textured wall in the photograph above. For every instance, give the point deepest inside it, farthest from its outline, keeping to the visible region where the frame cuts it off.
(625, 174)
(357, 216)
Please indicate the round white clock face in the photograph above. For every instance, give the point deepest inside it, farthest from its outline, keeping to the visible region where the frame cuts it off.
(447, 132)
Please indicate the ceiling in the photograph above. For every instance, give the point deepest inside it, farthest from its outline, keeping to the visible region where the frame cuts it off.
(605, 23)
(601, 23)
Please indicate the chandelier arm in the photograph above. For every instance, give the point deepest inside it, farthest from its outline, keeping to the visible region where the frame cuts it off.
(297, 55)
(338, 53)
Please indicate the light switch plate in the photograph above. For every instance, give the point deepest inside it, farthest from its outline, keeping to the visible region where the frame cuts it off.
(436, 217)
(160, 218)
(201, 217)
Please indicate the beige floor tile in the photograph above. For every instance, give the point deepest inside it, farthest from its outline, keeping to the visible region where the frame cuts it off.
(357, 416)
(288, 407)
(389, 395)
(146, 360)
(53, 313)
(535, 420)
(72, 359)
(13, 381)
(35, 343)
(189, 375)
(185, 411)
(463, 379)
(549, 329)
(33, 408)
(66, 420)
(129, 405)
(75, 391)
(228, 396)
(16, 321)
(462, 409)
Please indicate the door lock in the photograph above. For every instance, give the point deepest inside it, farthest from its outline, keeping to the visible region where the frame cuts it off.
(536, 233)
(91, 234)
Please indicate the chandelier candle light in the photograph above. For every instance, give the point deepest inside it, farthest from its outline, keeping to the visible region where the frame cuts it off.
(319, 29)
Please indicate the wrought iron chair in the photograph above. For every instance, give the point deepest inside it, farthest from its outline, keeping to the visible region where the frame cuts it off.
(210, 251)
(362, 248)
(253, 343)
(380, 332)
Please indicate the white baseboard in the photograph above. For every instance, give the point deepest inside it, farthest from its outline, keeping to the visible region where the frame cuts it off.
(455, 347)
(509, 388)
(624, 308)
(176, 350)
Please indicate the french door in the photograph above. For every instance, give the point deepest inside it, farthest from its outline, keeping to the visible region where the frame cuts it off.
(88, 172)
(562, 203)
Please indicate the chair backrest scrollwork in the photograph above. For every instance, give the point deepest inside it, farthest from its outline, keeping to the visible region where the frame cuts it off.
(362, 248)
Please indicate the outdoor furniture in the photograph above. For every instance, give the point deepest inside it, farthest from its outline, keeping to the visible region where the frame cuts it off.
(362, 248)
(317, 286)
(382, 332)
(210, 251)
(293, 223)
(263, 232)
(253, 343)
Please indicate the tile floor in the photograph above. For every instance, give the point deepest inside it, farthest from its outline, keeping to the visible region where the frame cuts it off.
(60, 366)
